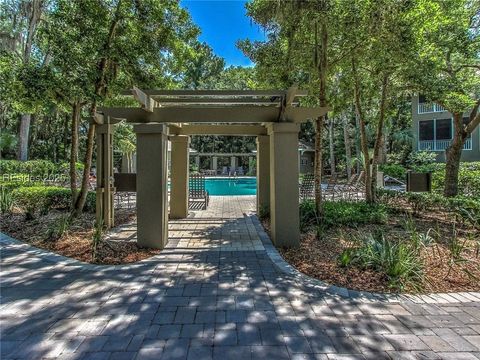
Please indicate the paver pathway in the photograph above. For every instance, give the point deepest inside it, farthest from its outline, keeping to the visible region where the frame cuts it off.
(215, 292)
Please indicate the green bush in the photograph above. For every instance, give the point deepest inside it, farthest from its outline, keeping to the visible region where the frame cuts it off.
(44, 198)
(394, 170)
(468, 179)
(464, 207)
(400, 261)
(353, 213)
(6, 200)
(342, 213)
(36, 168)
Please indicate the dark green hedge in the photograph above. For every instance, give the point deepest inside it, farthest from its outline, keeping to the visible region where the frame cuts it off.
(41, 199)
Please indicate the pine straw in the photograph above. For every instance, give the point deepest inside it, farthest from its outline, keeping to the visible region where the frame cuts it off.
(318, 258)
(76, 242)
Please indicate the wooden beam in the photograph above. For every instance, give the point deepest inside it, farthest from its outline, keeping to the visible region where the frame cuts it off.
(145, 101)
(213, 114)
(222, 101)
(230, 129)
(225, 93)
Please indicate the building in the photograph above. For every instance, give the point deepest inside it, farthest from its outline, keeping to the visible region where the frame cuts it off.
(432, 128)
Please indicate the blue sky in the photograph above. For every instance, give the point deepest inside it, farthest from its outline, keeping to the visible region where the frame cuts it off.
(222, 23)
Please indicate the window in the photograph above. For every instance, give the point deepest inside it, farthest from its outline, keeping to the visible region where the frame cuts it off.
(426, 130)
(444, 129)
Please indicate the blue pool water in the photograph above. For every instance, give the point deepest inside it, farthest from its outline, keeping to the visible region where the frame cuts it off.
(231, 186)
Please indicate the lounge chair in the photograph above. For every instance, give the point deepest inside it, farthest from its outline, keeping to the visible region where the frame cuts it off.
(240, 171)
(332, 188)
(225, 171)
(307, 187)
(197, 191)
(356, 188)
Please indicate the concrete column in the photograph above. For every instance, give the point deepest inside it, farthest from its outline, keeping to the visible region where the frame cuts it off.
(263, 173)
(214, 163)
(152, 196)
(233, 163)
(197, 162)
(105, 190)
(179, 177)
(284, 212)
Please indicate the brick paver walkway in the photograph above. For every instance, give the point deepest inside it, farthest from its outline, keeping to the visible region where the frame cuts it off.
(213, 293)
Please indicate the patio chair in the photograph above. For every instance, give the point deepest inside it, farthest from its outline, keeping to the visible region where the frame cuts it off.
(125, 189)
(356, 188)
(307, 187)
(197, 191)
(240, 171)
(225, 171)
(332, 188)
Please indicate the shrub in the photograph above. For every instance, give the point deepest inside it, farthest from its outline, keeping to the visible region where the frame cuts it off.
(43, 198)
(353, 213)
(6, 200)
(468, 179)
(394, 170)
(400, 261)
(36, 168)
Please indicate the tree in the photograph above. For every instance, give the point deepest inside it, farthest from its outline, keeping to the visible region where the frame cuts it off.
(20, 22)
(303, 47)
(446, 69)
(117, 44)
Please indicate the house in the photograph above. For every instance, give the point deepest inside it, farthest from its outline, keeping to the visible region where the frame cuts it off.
(306, 157)
(432, 128)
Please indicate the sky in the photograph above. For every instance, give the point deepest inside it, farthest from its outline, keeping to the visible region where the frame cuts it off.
(222, 23)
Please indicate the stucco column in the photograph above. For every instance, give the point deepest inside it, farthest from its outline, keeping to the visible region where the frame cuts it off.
(104, 168)
(179, 177)
(284, 212)
(152, 197)
(197, 162)
(263, 173)
(233, 163)
(214, 163)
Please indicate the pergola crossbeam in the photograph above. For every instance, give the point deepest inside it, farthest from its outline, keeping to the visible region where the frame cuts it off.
(228, 129)
(213, 114)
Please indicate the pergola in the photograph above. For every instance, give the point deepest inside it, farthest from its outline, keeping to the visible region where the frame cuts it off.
(273, 116)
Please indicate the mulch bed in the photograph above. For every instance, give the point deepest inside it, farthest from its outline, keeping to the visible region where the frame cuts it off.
(318, 257)
(76, 242)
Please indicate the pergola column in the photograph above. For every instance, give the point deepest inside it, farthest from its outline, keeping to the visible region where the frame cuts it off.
(197, 162)
(104, 191)
(263, 173)
(179, 177)
(152, 197)
(214, 163)
(233, 163)
(284, 212)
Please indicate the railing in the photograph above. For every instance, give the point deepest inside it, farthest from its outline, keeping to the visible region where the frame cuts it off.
(424, 108)
(441, 145)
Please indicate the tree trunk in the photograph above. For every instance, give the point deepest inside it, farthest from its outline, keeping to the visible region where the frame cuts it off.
(453, 155)
(82, 196)
(331, 146)
(348, 150)
(76, 107)
(318, 164)
(379, 138)
(363, 134)
(24, 133)
(34, 10)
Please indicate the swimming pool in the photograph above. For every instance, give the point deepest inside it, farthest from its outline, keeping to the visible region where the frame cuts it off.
(231, 186)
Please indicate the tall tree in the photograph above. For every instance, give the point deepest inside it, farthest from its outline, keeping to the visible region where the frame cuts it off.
(117, 44)
(20, 21)
(446, 69)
